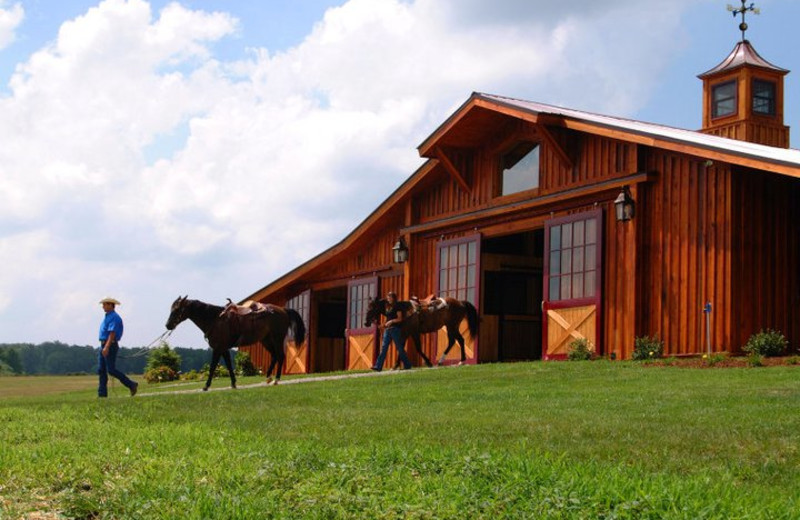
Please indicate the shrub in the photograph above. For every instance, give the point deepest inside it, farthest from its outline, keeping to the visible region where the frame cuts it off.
(580, 350)
(221, 371)
(244, 365)
(163, 356)
(191, 375)
(768, 343)
(646, 347)
(755, 360)
(160, 375)
(793, 360)
(715, 358)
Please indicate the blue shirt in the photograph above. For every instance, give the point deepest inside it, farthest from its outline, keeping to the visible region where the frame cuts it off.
(111, 323)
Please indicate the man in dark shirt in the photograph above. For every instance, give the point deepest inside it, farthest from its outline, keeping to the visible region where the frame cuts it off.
(392, 333)
(110, 334)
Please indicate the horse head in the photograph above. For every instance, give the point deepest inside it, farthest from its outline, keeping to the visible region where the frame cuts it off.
(374, 309)
(177, 312)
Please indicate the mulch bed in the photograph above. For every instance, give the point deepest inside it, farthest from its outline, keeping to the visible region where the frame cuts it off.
(722, 362)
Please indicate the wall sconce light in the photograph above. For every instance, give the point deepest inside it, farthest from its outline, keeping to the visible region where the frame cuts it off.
(400, 251)
(624, 205)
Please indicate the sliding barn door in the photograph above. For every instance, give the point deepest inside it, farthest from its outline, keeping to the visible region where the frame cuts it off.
(361, 340)
(297, 356)
(458, 268)
(572, 284)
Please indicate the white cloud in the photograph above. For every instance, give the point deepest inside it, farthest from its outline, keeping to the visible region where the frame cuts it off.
(280, 154)
(10, 18)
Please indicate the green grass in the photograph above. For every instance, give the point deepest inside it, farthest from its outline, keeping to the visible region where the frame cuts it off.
(527, 440)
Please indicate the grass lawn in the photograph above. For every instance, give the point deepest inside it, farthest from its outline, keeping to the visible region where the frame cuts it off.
(527, 440)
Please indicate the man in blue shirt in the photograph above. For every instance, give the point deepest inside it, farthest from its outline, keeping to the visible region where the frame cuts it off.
(110, 334)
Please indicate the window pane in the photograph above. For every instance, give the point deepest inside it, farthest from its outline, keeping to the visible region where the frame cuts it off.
(443, 258)
(472, 252)
(591, 257)
(462, 294)
(566, 235)
(589, 283)
(591, 231)
(555, 262)
(555, 288)
(452, 282)
(566, 261)
(462, 277)
(453, 260)
(555, 237)
(566, 287)
(442, 280)
(577, 260)
(471, 276)
(462, 254)
(577, 285)
(520, 169)
(577, 232)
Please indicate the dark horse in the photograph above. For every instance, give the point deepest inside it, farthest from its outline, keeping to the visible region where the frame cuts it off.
(225, 330)
(421, 321)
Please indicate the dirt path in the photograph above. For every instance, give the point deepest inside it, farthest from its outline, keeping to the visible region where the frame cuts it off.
(294, 381)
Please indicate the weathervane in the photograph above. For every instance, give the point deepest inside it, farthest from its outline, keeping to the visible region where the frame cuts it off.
(742, 11)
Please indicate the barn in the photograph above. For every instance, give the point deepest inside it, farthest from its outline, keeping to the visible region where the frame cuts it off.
(560, 224)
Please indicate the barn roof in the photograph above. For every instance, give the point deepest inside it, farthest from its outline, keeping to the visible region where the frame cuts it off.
(482, 113)
(778, 160)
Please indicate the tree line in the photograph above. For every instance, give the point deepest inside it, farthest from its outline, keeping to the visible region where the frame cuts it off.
(56, 358)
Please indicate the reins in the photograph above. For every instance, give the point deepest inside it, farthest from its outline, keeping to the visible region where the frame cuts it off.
(147, 348)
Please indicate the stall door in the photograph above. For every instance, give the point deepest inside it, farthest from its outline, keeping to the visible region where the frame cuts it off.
(297, 356)
(458, 273)
(361, 340)
(572, 282)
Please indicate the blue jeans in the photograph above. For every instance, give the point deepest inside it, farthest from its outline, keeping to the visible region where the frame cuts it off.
(393, 334)
(108, 366)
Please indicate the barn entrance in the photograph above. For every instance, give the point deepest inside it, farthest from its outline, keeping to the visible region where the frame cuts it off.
(512, 296)
(331, 319)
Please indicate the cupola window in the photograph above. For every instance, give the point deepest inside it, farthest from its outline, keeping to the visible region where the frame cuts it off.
(723, 99)
(520, 168)
(763, 97)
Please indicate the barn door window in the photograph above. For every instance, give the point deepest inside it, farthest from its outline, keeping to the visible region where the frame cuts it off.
(301, 303)
(360, 292)
(458, 268)
(573, 262)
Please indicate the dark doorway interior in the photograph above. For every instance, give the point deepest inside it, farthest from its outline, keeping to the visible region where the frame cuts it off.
(331, 318)
(512, 293)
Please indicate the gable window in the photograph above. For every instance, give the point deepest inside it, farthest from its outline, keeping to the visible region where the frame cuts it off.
(723, 99)
(520, 168)
(763, 97)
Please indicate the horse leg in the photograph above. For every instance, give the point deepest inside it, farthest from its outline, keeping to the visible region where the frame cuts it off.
(272, 363)
(418, 345)
(226, 357)
(460, 340)
(451, 340)
(212, 369)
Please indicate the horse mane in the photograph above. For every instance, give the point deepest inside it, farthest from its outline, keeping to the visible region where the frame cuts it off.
(205, 310)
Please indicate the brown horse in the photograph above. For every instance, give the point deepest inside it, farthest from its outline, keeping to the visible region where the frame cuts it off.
(224, 330)
(423, 321)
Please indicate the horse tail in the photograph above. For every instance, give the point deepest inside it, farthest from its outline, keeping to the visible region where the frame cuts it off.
(472, 318)
(298, 327)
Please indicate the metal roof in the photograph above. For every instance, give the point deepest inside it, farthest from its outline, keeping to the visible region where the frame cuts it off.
(743, 54)
(759, 152)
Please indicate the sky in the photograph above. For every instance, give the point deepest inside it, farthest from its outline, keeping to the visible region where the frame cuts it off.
(206, 147)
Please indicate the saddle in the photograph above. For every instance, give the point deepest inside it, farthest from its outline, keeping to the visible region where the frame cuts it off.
(429, 304)
(249, 307)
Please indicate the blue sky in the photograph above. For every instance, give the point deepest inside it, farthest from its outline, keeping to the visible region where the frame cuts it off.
(151, 149)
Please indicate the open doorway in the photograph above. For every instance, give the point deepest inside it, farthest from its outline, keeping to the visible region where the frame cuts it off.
(328, 354)
(512, 296)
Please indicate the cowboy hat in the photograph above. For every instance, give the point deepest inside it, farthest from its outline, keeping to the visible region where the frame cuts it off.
(110, 300)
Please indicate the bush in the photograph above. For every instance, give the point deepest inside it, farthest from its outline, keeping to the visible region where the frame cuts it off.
(755, 360)
(645, 347)
(793, 360)
(244, 365)
(163, 356)
(715, 358)
(221, 371)
(160, 375)
(192, 375)
(580, 350)
(768, 343)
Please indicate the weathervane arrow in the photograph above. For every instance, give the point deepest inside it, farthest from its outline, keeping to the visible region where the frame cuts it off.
(743, 11)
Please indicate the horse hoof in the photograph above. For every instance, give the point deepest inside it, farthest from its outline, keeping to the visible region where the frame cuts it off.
(205, 389)
(233, 387)
(274, 382)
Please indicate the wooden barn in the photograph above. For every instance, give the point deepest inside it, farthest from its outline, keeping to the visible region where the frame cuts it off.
(561, 224)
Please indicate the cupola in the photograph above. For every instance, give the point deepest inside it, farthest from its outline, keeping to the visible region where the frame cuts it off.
(743, 95)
